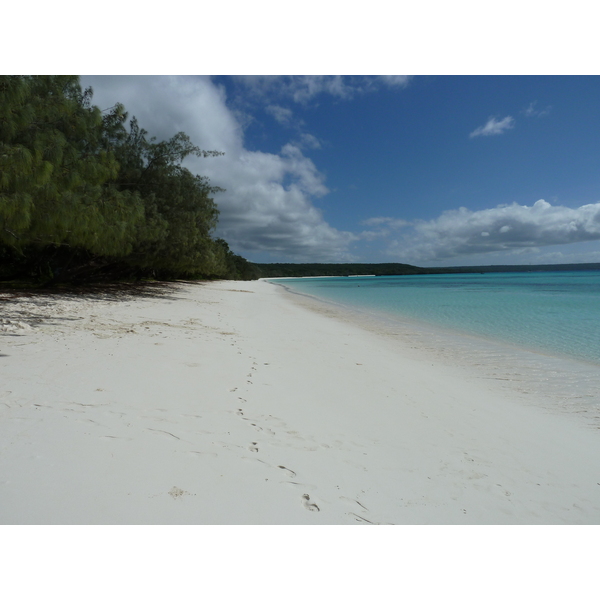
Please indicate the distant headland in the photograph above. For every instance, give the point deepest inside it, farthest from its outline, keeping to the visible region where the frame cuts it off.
(356, 269)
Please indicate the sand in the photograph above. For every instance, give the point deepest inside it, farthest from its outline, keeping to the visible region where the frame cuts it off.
(233, 403)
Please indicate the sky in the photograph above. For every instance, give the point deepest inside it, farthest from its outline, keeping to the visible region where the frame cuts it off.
(427, 170)
(484, 152)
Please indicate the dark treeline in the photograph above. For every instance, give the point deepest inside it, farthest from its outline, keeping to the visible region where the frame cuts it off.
(85, 198)
(350, 269)
(513, 268)
(334, 270)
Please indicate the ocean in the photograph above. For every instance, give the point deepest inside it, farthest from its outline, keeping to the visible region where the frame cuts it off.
(538, 331)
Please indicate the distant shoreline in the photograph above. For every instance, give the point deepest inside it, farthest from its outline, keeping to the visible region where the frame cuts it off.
(272, 270)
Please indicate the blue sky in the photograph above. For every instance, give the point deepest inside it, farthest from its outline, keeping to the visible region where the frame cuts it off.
(427, 170)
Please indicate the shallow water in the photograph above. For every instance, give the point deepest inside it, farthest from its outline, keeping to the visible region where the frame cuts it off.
(552, 312)
(538, 333)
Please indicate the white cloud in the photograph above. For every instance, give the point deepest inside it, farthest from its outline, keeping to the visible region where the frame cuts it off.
(558, 257)
(531, 111)
(395, 80)
(307, 140)
(494, 127)
(268, 204)
(381, 227)
(304, 88)
(461, 233)
(384, 221)
(371, 235)
(280, 114)
(285, 116)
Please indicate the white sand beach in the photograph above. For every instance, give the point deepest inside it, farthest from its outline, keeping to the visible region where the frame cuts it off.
(234, 403)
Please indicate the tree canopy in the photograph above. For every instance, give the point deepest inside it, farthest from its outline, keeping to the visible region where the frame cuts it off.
(84, 195)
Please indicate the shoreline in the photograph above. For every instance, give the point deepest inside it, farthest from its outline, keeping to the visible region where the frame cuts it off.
(556, 382)
(230, 403)
(547, 332)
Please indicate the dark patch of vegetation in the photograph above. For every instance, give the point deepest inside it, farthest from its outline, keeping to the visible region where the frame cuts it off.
(334, 270)
(84, 199)
(511, 268)
(382, 269)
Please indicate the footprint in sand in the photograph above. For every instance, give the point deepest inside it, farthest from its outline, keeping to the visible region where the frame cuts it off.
(289, 472)
(165, 432)
(265, 431)
(361, 519)
(308, 505)
(253, 447)
(352, 501)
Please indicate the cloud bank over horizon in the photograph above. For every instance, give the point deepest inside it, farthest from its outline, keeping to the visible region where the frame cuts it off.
(512, 229)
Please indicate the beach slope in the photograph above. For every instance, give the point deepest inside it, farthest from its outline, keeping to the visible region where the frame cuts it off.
(231, 403)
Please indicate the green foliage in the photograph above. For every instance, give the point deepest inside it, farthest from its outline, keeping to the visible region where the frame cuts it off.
(81, 197)
(54, 169)
(236, 266)
(181, 215)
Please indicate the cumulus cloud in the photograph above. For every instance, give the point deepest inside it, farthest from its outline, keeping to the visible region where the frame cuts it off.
(268, 205)
(506, 228)
(494, 127)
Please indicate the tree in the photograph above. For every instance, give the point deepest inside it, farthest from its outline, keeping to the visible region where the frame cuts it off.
(180, 213)
(53, 171)
(82, 196)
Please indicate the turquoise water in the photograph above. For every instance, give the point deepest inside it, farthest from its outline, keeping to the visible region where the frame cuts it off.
(557, 313)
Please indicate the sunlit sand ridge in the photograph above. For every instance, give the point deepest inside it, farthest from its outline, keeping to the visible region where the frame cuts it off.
(230, 403)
